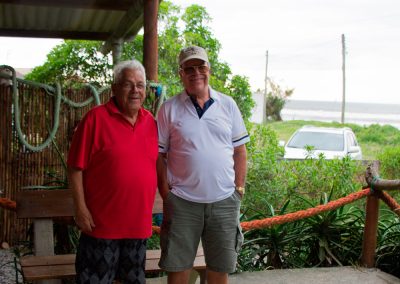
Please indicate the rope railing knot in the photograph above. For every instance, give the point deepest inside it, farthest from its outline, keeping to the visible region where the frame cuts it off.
(375, 180)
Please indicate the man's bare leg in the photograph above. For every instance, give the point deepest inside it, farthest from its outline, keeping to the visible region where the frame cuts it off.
(214, 277)
(180, 277)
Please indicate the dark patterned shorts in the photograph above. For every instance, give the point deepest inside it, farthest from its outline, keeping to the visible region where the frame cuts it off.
(102, 260)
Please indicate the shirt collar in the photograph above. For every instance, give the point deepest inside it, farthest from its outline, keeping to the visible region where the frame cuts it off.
(213, 94)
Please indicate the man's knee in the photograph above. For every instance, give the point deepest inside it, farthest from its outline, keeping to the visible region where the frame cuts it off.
(214, 277)
(179, 277)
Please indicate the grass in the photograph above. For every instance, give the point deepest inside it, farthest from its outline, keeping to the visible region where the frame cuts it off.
(373, 139)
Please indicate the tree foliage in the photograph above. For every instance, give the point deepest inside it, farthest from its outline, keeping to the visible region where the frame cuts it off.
(239, 89)
(74, 61)
(82, 61)
(276, 100)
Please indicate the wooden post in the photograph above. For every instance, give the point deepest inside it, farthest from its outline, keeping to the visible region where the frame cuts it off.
(150, 40)
(44, 243)
(370, 231)
(344, 78)
(117, 51)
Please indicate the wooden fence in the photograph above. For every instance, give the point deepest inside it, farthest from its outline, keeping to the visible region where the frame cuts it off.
(20, 167)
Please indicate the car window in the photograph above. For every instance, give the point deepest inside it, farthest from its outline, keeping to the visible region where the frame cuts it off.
(354, 139)
(319, 140)
(350, 140)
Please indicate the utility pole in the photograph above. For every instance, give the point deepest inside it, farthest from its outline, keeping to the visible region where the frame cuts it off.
(264, 114)
(344, 77)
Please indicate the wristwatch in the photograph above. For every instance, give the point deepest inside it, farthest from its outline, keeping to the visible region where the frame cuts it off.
(240, 189)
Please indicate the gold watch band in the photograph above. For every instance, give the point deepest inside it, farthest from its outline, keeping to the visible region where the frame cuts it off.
(240, 189)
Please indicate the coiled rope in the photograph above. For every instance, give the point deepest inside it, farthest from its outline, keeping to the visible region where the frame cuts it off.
(159, 91)
(51, 91)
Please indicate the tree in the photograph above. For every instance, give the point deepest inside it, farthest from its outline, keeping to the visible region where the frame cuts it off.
(276, 100)
(74, 60)
(82, 60)
(239, 89)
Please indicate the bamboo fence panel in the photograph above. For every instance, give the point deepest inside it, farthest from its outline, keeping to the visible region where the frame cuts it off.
(20, 167)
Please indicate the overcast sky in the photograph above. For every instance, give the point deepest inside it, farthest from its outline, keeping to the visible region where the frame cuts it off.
(303, 39)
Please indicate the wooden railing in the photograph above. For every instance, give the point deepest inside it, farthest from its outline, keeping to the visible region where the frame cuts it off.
(378, 187)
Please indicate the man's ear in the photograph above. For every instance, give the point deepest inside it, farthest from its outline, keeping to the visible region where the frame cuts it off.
(180, 72)
(113, 86)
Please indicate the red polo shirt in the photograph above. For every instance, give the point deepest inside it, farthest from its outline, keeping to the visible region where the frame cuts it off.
(118, 161)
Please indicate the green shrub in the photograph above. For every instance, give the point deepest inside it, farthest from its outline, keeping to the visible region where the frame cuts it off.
(388, 246)
(276, 186)
(390, 163)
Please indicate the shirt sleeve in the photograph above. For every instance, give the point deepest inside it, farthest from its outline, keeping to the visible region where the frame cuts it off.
(163, 130)
(240, 135)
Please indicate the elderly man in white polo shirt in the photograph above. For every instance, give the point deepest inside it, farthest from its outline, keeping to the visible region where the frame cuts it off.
(201, 174)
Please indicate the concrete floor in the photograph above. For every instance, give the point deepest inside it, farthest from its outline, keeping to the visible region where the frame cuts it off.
(350, 275)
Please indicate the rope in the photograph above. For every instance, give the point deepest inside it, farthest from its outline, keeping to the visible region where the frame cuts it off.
(156, 229)
(290, 217)
(160, 92)
(390, 202)
(8, 204)
(375, 179)
(281, 219)
(51, 91)
(302, 214)
(17, 120)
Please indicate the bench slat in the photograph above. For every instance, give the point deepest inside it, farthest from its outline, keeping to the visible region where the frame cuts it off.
(31, 260)
(44, 203)
(63, 266)
(32, 273)
(70, 258)
(55, 203)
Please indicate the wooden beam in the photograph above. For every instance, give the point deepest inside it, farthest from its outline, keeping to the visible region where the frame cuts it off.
(119, 5)
(150, 40)
(55, 34)
(128, 27)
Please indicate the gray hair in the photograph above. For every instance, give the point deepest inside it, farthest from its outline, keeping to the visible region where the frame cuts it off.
(129, 64)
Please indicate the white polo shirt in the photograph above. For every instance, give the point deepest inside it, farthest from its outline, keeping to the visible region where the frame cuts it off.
(200, 150)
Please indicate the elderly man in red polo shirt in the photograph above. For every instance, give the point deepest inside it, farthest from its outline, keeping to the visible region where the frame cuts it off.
(112, 173)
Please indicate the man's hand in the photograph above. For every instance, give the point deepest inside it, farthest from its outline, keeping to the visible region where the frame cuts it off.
(83, 217)
(84, 220)
(162, 181)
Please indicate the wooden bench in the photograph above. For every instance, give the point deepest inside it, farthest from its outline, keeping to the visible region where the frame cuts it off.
(43, 206)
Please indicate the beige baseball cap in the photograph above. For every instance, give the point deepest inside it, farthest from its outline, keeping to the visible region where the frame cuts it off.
(192, 52)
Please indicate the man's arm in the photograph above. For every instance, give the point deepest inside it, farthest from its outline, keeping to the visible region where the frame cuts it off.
(240, 165)
(162, 181)
(83, 218)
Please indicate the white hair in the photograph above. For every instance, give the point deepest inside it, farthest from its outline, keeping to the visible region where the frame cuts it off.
(129, 64)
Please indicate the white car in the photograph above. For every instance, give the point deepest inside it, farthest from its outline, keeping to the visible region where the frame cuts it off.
(331, 142)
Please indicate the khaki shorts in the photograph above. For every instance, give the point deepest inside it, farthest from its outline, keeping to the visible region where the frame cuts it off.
(216, 224)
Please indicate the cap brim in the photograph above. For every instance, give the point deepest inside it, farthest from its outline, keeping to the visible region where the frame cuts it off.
(193, 57)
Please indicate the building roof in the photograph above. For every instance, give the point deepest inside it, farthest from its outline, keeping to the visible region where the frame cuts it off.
(105, 20)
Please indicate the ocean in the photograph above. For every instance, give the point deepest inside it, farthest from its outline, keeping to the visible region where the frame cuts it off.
(357, 113)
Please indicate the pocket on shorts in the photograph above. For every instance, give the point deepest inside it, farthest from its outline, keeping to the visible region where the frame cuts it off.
(239, 238)
(237, 195)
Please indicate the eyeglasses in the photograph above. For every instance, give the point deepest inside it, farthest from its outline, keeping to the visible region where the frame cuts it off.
(190, 70)
(128, 86)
